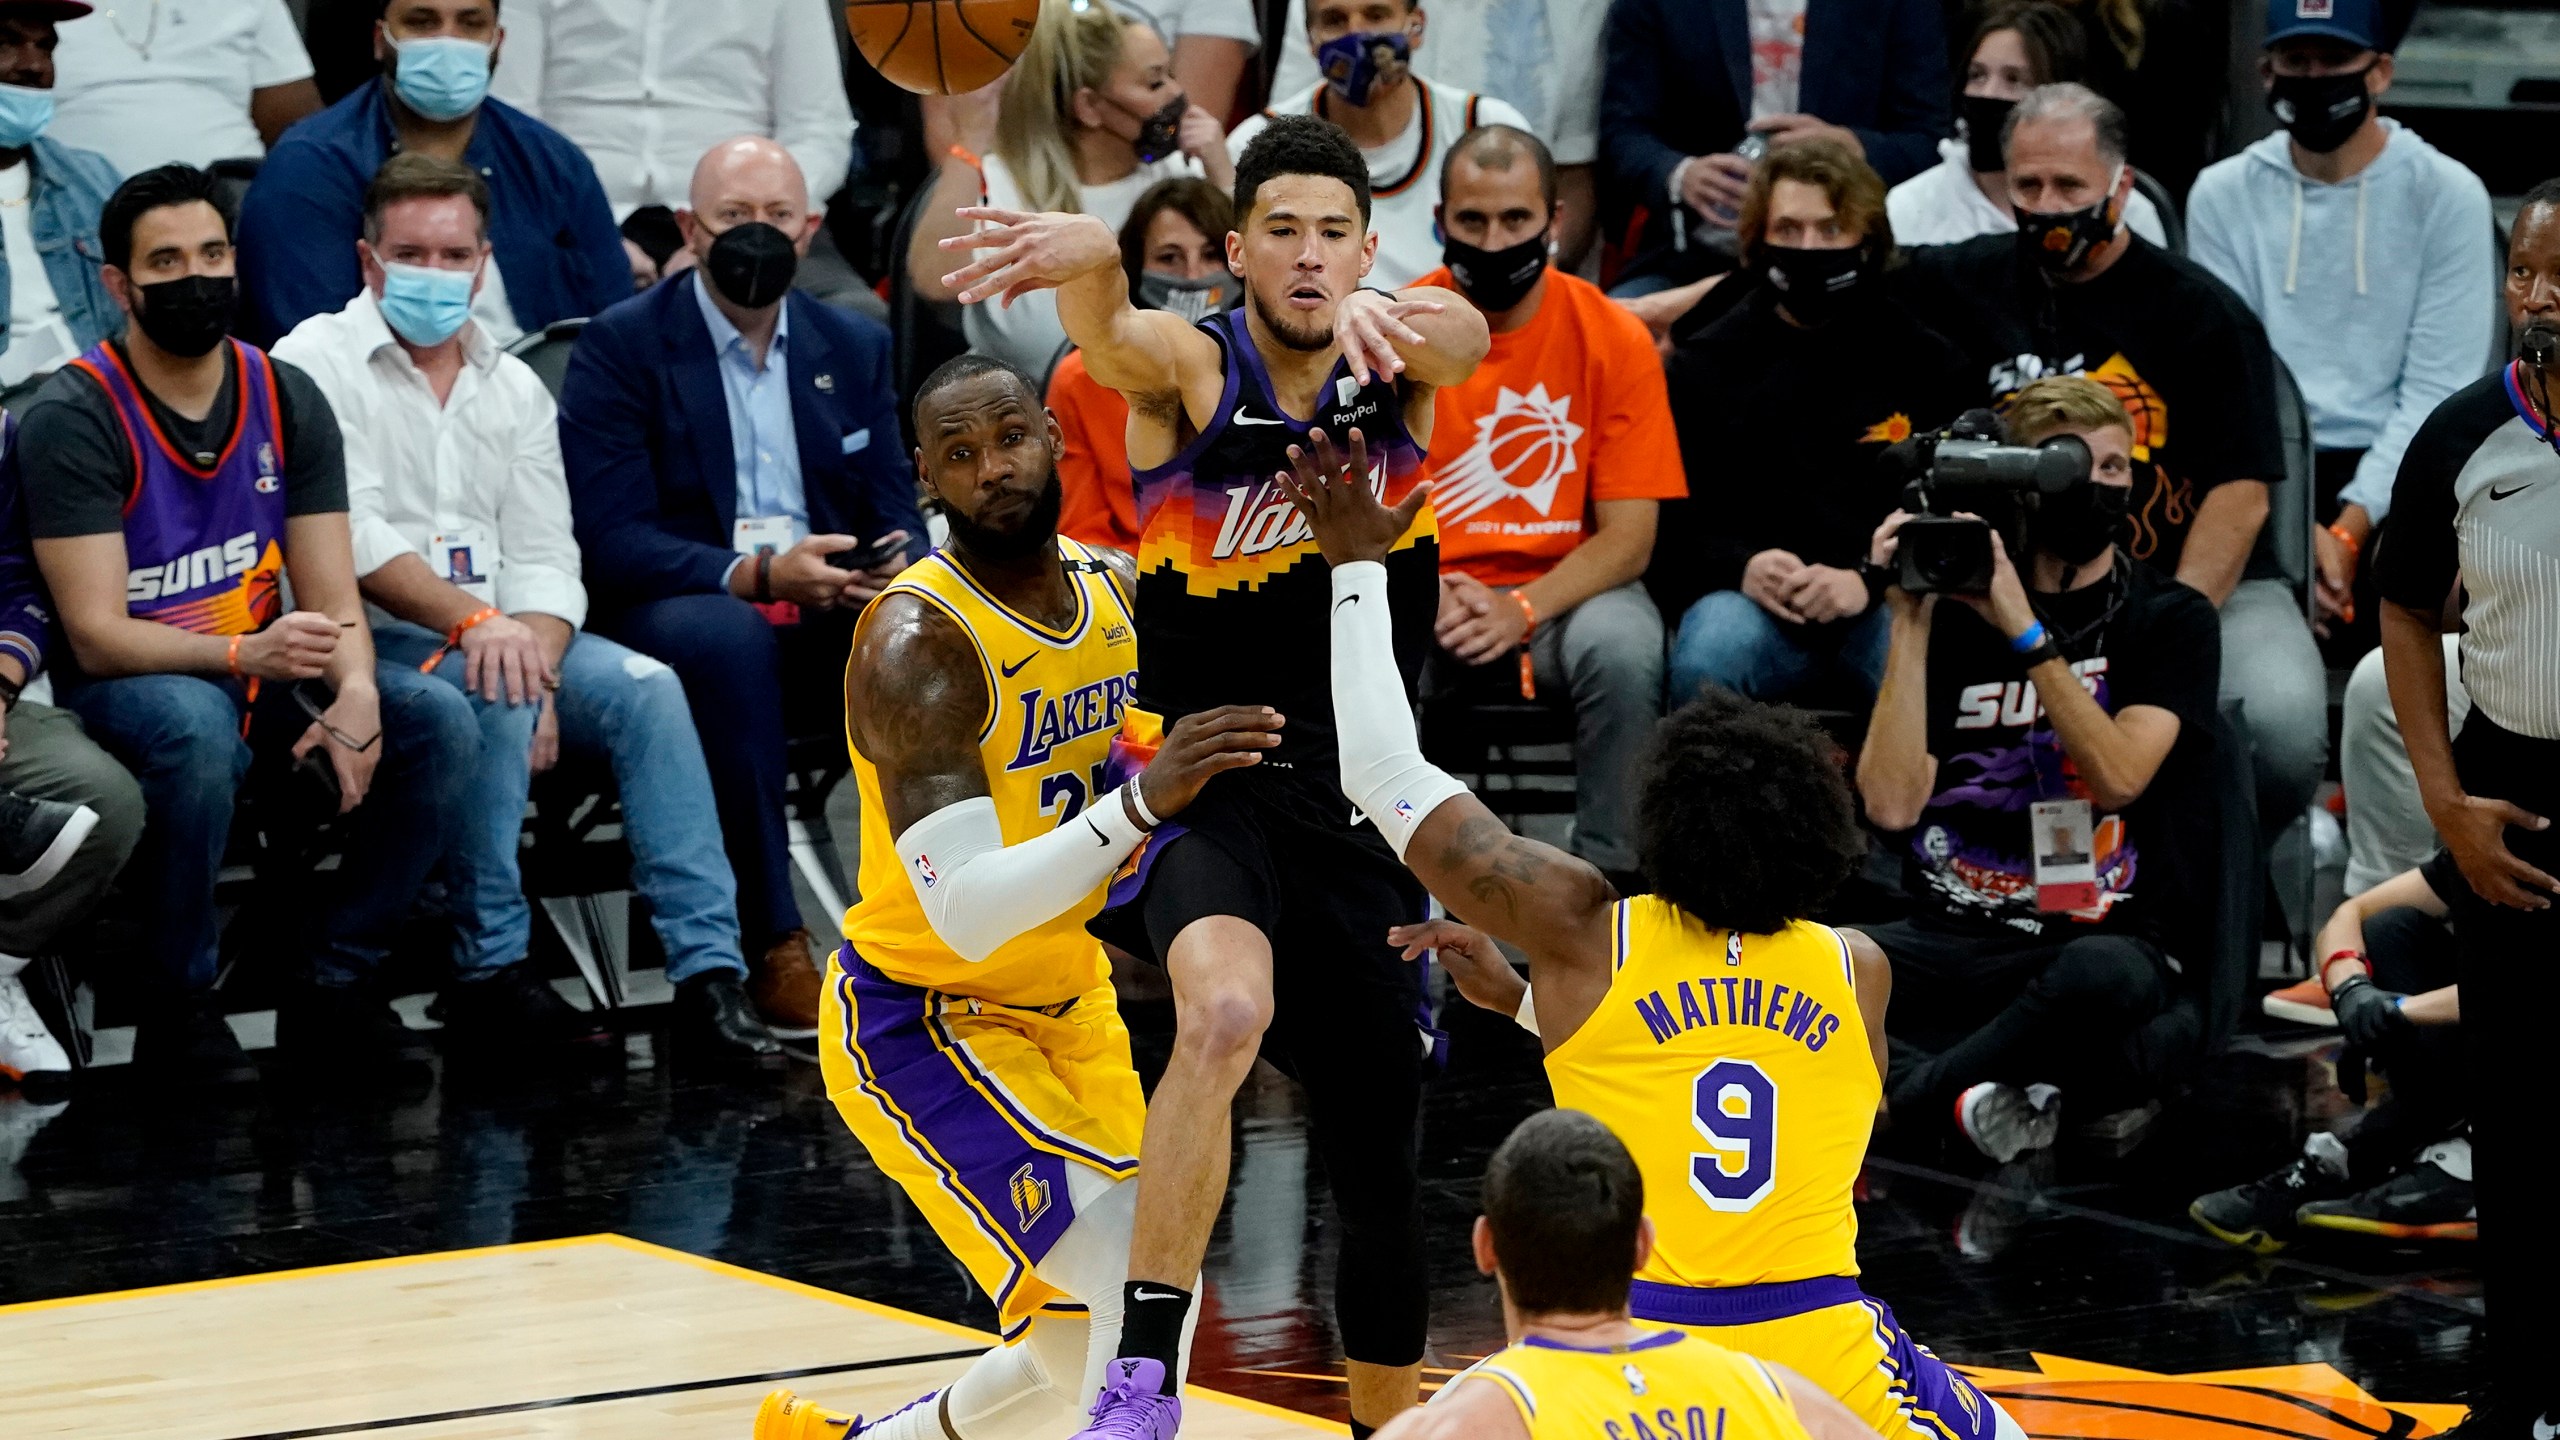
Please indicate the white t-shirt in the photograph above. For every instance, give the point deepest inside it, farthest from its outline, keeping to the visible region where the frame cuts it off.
(1221, 19)
(39, 340)
(1941, 205)
(148, 82)
(1777, 55)
(1542, 57)
(1404, 173)
(1027, 333)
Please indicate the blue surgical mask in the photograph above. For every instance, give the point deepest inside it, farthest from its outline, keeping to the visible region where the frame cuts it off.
(442, 77)
(424, 305)
(1355, 64)
(24, 115)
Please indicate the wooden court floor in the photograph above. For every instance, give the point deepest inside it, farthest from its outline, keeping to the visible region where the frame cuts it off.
(597, 1338)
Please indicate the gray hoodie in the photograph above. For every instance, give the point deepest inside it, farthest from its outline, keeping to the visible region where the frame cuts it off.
(2379, 293)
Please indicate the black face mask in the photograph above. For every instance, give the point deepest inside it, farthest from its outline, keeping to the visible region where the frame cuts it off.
(1985, 116)
(2061, 242)
(2321, 112)
(2077, 524)
(189, 315)
(1037, 527)
(1496, 279)
(1160, 134)
(1814, 285)
(752, 264)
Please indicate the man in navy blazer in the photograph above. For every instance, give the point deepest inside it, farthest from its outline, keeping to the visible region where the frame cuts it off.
(725, 437)
(1684, 88)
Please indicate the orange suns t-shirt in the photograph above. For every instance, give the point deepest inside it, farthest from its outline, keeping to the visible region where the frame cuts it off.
(1565, 411)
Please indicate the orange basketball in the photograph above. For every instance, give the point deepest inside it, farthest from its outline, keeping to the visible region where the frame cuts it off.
(942, 47)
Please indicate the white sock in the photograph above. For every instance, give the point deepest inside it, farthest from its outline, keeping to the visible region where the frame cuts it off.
(1009, 1393)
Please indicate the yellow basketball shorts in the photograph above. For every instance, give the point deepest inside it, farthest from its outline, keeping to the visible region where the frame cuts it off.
(977, 1109)
(1839, 1338)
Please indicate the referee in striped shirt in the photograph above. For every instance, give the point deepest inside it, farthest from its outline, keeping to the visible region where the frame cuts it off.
(2478, 499)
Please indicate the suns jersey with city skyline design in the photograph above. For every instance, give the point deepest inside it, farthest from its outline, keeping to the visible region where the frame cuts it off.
(1232, 593)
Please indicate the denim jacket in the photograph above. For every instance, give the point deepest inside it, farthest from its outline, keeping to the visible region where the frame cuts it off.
(70, 188)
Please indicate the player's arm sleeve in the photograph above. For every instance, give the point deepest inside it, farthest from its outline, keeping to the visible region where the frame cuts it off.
(1383, 771)
(978, 892)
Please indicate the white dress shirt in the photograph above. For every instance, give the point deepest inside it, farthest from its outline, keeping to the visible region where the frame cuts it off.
(151, 82)
(646, 86)
(487, 459)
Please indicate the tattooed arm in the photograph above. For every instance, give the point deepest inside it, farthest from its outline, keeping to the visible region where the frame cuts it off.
(1553, 905)
(917, 702)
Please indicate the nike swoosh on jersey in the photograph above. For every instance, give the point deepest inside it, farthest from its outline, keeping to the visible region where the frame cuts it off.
(1098, 837)
(1243, 418)
(1016, 667)
(1352, 599)
(2497, 494)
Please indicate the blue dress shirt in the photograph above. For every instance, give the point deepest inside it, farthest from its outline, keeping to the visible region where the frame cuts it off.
(761, 435)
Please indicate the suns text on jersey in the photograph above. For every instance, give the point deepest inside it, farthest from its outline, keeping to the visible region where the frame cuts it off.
(1049, 721)
(193, 570)
(1737, 1000)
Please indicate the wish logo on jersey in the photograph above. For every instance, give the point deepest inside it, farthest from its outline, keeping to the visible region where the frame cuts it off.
(227, 589)
(1049, 721)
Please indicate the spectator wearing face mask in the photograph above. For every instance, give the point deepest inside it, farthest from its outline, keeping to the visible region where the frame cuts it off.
(1090, 118)
(1542, 58)
(1548, 468)
(1174, 251)
(1784, 404)
(728, 442)
(1404, 123)
(50, 197)
(1689, 80)
(2075, 292)
(550, 230)
(2359, 246)
(2019, 45)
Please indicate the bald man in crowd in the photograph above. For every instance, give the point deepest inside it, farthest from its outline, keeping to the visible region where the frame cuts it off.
(740, 493)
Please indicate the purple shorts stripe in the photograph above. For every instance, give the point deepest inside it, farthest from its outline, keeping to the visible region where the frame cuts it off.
(1040, 1136)
(1941, 1401)
(1740, 1304)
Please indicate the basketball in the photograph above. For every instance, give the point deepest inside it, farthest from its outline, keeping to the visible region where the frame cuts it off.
(942, 47)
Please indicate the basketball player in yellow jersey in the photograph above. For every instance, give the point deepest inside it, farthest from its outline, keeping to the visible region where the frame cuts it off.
(1562, 1232)
(967, 1033)
(1737, 1048)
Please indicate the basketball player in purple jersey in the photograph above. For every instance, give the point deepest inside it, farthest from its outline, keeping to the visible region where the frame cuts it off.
(1268, 900)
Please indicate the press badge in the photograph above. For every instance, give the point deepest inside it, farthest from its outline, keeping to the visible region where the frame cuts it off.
(461, 558)
(2063, 842)
(763, 535)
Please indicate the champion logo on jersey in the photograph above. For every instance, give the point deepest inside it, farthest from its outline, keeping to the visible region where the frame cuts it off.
(926, 872)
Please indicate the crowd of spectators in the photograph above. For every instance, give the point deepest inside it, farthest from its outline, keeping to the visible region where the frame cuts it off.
(1735, 256)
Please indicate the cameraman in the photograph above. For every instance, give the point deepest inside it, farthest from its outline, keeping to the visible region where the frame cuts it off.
(2025, 737)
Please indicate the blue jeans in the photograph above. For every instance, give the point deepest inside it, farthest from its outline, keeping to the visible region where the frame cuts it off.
(1727, 639)
(631, 708)
(180, 736)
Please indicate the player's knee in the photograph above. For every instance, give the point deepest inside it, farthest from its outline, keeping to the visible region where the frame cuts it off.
(1224, 1021)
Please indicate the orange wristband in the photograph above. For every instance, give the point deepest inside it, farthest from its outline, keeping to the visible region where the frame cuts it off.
(1528, 671)
(231, 657)
(2347, 537)
(453, 636)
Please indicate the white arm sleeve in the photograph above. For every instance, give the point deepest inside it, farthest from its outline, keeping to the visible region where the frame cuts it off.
(1383, 771)
(979, 892)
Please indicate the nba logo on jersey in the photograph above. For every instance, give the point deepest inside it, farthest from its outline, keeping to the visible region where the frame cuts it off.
(1634, 1378)
(267, 483)
(1030, 1196)
(925, 872)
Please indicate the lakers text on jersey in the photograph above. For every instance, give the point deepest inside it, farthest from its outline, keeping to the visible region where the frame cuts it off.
(976, 1086)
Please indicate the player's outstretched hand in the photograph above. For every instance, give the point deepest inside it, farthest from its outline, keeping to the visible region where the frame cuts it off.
(1202, 744)
(1026, 252)
(1341, 504)
(1370, 325)
(1475, 963)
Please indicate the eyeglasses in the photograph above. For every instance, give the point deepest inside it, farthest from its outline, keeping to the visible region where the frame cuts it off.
(311, 706)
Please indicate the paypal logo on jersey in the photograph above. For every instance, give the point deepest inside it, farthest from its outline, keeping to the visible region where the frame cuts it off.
(1051, 721)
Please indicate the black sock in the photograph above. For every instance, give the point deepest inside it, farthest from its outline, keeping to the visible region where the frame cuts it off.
(1151, 1316)
(1360, 1431)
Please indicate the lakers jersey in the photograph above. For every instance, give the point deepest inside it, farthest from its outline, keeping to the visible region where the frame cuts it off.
(1667, 1385)
(1054, 702)
(1737, 1070)
(1232, 590)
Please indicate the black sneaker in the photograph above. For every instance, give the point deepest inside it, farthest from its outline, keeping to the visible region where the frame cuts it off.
(188, 1039)
(342, 1028)
(2427, 1201)
(2258, 1216)
(512, 1010)
(37, 838)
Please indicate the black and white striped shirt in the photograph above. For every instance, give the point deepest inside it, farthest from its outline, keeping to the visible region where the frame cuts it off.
(2479, 495)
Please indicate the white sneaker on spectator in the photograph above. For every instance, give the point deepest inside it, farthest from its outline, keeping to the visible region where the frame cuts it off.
(37, 838)
(20, 1119)
(27, 1048)
(2004, 1121)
